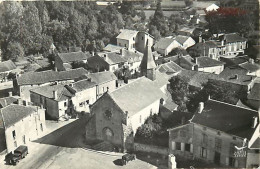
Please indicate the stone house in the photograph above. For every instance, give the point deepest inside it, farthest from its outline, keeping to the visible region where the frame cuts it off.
(205, 48)
(63, 61)
(20, 124)
(118, 114)
(133, 59)
(134, 40)
(27, 81)
(165, 45)
(59, 100)
(184, 41)
(215, 134)
(206, 64)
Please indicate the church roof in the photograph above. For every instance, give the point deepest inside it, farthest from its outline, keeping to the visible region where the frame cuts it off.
(148, 61)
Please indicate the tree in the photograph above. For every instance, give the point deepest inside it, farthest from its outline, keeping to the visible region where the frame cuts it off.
(14, 51)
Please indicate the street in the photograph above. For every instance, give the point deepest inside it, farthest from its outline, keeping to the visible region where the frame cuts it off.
(62, 148)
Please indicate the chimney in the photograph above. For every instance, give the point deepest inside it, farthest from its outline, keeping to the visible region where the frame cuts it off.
(251, 61)
(105, 56)
(222, 43)
(10, 94)
(71, 84)
(55, 94)
(254, 122)
(200, 39)
(201, 107)
(55, 69)
(196, 60)
(20, 101)
(209, 97)
(25, 103)
(93, 53)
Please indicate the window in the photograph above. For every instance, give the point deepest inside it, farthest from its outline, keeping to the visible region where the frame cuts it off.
(125, 45)
(183, 133)
(178, 146)
(108, 114)
(15, 144)
(65, 104)
(133, 38)
(24, 142)
(204, 139)
(142, 38)
(87, 101)
(203, 152)
(232, 161)
(14, 135)
(187, 147)
(218, 143)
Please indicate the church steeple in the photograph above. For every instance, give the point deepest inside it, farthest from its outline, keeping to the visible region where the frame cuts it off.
(148, 65)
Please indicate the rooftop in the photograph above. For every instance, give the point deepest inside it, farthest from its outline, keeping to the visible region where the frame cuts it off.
(111, 48)
(236, 75)
(228, 118)
(187, 29)
(47, 91)
(195, 78)
(232, 37)
(112, 58)
(208, 62)
(73, 56)
(8, 100)
(236, 60)
(169, 68)
(102, 77)
(181, 39)
(136, 96)
(127, 34)
(203, 4)
(34, 78)
(14, 113)
(251, 67)
(83, 84)
(163, 43)
(7, 66)
(255, 92)
(132, 57)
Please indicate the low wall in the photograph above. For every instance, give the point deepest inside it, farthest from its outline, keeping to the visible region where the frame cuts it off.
(151, 148)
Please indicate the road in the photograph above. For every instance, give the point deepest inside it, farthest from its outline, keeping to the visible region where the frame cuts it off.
(62, 149)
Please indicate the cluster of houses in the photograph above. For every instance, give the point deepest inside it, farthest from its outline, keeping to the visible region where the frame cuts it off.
(215, 133)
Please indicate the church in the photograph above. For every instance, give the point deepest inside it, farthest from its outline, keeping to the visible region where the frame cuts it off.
(117, 115)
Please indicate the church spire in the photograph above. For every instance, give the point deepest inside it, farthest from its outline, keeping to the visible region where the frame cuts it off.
(148, 65)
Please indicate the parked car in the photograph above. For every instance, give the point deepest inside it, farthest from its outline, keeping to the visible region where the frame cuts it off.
(128, 157)
(19, 153)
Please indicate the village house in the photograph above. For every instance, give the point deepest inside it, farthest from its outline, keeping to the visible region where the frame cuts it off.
(165, 45)
(206, 138)
(134, 40)
(206, 64)
(7, 67)
(170, 68)
(133, 59)
(5, 101)
(64, 61)
(184, 41)
(112, 48)
(61, 99)
(105, 81)
(20, 124)
(27, 81)
(110, 61)
(186, 31)
(253, 97)
(205, 5)
(118, 114)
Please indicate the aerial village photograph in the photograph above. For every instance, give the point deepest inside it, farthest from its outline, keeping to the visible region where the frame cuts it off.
(152, 84)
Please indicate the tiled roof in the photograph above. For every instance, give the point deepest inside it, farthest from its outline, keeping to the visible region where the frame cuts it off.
(161, 79)
(8, 100)
(169, 68)
(232, 37)
(204, 45)
(127, 34)
(251, 67)
(229, 73)
(181, 39)
(187, 29)
(255, 92)
(34, 78)
(83, 84)
(227, 118)
(112, 58)
(208, 62)
(102, 77)
(148, 60)
(14, 113)
(111, 48)
(7, 66)
(235, 61)
(73, 56)
(136, 95)
(195, 78)
(163, 43)
(47, 91)
(132, 57)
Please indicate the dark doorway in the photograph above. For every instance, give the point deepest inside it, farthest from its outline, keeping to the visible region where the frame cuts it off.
(217, 158)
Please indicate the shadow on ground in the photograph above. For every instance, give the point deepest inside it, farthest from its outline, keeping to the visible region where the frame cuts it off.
(118, 162)
(70, 135)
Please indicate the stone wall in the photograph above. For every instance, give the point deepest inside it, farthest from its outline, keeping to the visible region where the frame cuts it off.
(151, 148)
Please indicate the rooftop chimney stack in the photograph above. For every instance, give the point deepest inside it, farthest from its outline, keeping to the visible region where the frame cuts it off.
(10, 94)
(55, 94)
(200, 39)
(201, 107)
(20, 101)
